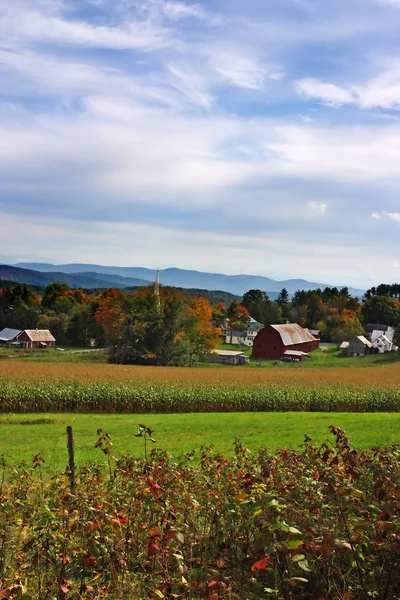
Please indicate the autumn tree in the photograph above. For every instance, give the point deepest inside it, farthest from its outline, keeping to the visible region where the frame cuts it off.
(219, 314)
(341, 326)
(110, 314)
(238, 315)
(200, 332)
(170, 330)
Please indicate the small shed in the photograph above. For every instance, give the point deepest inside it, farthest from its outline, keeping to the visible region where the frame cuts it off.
(272, 341)
(36, 338)
(226, 357)
(8, 335)
(315, 333)
(359, 346)
(295, 355)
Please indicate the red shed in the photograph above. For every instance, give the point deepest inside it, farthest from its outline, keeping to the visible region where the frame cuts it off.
(272, 341)
(36, 338)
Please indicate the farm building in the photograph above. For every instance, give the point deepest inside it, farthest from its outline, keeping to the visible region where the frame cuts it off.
(272, 341)
(359, 346)
(294, 355)
(375, 330)
(226, 357)
(7, 335)
(36, 338)
(315, 332)
(383, 344)
(246, 337)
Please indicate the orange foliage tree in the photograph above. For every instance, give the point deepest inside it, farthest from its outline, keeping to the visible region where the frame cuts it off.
(110, 314)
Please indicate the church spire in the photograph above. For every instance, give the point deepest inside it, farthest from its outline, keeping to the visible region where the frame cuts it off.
(157, 288)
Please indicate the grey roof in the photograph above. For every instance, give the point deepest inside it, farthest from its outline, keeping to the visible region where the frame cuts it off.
(292, 334)
(376, 326)
(239, 334)
(7, 334)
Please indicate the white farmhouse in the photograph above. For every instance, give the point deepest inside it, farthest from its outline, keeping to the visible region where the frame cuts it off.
(243, 338)
(383, 344)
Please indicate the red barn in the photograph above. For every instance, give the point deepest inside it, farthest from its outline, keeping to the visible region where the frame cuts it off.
(36, 338)
(272, 341)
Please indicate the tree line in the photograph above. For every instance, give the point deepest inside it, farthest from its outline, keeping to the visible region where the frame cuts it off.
(176, 327)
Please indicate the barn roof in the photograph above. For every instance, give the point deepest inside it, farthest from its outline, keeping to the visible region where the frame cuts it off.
(292, 334)
(40, 335)
(7, 334)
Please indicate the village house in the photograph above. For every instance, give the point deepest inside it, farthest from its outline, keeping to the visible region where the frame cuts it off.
(383, 344)
(359, 346)
(375, 330)
(243, 338)
(274, 340)
(36, 338)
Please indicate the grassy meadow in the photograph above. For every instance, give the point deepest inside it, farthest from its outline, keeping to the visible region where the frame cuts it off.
(324, 357)
(23, 436)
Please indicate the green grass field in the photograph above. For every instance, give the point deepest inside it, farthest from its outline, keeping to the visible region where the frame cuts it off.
(330, 357)
(23, 436)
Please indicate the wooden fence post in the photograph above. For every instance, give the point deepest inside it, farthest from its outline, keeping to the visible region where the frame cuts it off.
(71, 458)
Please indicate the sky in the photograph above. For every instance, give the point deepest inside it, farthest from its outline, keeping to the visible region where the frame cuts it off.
(232, 136)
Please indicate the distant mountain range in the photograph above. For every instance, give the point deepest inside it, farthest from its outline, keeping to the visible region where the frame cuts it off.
(87, 280)
(97, 276)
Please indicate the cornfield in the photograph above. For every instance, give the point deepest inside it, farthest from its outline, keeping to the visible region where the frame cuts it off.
(25, 395)
(38, 387)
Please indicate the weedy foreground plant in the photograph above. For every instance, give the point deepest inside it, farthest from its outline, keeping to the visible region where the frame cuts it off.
(320, 524)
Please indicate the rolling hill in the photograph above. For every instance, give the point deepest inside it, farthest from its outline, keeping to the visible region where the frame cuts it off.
(234, 284)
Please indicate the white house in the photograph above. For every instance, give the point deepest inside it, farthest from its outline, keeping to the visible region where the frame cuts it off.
(388, 333)
(243, 338)
(383, 344)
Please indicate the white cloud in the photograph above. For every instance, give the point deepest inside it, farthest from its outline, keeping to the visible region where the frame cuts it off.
(328, 93)
(24, 26)
(317, 207)
(381, 90)
(238, 66)
(181, 10)
(390, 216)
(149, 245)
(191, 84)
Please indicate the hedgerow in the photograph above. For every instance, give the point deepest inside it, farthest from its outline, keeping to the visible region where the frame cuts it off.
(323, 523)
